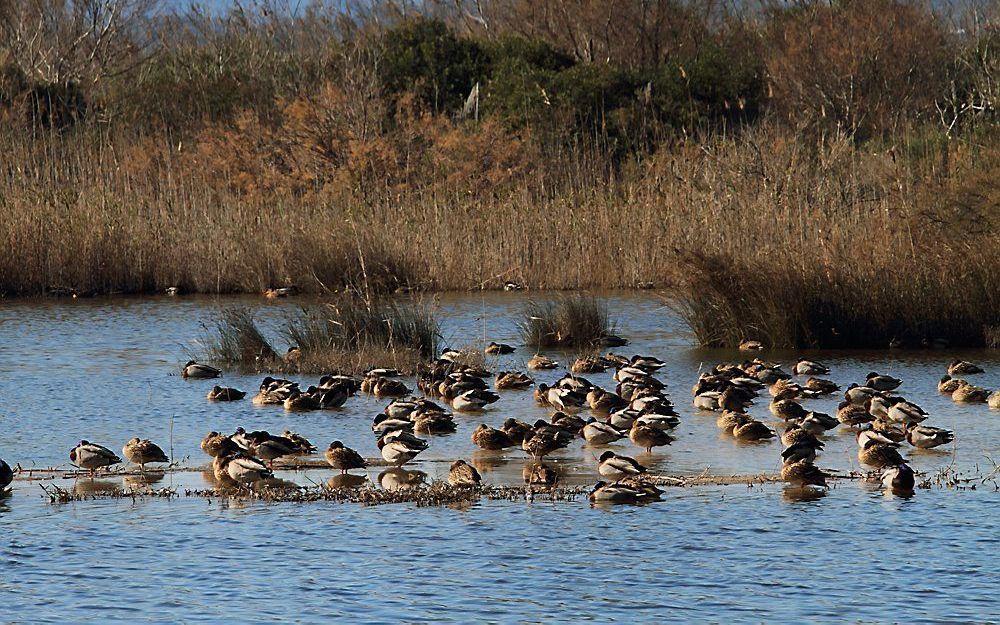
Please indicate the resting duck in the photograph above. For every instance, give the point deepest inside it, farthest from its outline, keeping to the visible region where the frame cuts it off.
(194, 369)
(963, 367)
(495, 348)
(544, 440)
(91, 456)
(300, 402)
(853, 415)
(243, 469)
(597, 433)
(860, 394)
(539, 361)
(215, 444)
(649, 364)
(927, 437)
(300, 443)
(223, 393)
(750, 346)
(623, 419)
(565, 400)
(512, 380)
(6, 475)
(344, 458)
(809, 367)
(729, 420)
(994, 400)
(803, 450)
(398, 448)
(516, 430)
(970, 394)
(463, 474)
(271, 449)
(878, 454)
(647, 437)
(948, 384)
(433, 422)
(803, 473)
(753, 430)
(389, 387)
(590, 364)
(603, 402)
(787, 409)
(795, 434)
(821, 386)
(616, 467)
(142, 452)
(882, 382)
(620, 492)
(899, 478)
(489, 438)
(473, 400)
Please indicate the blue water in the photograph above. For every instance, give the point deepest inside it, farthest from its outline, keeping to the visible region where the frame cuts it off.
(105, 370)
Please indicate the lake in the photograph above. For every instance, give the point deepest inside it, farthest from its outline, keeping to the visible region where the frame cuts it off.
(107, 370)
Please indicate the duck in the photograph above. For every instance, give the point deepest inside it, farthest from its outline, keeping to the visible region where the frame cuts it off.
(709, 400)
(142, 452)
(853, 415)
(383, 423)
(597, 433)
(515, 429)
(462, 474)
(91, 456)
(300, 443)
(882, 382)
(224, 393)
(822, 386)
(433, 422)
(787, 409)
(753, 430)
(590, 364)
(614, 466)
(647, 437)
(899, 478)
(571, 424)
(565, 400)
(905, 412)
(243, 469)
(495, 348)
(649, 364)
(993, 401)
(617, 492)
(538, 361)
(750, 346)
(216, 445)
(970, 394)
(857, 394)
(729, 420)
(544, 440)
(300, 402)
(474, 400)
(332, 397)
(810, 367)
(6, 476)
(624, 418)
(280, 291)
(891, 431)
(489, 438)
(344, 458)
(948, 384)
(506, 380)
(271, 449)
(603, 402)
(927, 437)
(193, 369)
(877, 454)
(389, 387)
(803, 473)
(539, 474)
(819, 421)
(803, 450)
(658, 421)
(963, 367)
(398, 449)
(795, 434)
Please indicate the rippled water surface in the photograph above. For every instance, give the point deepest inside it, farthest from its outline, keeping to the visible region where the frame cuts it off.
(106, 371)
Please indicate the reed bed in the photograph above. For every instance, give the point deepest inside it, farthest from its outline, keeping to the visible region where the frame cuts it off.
(569, 321)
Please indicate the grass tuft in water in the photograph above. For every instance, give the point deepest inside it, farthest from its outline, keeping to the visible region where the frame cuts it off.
(571, 321)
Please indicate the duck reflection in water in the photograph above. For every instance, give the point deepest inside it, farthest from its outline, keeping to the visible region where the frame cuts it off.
(346, 480)
(141, 480)
(803, 493)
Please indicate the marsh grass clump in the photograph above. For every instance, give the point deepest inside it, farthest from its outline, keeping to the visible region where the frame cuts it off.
(356, 333)
(571, 321)
(236, 339)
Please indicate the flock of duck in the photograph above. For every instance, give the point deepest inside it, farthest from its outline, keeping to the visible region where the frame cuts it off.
(637, 409)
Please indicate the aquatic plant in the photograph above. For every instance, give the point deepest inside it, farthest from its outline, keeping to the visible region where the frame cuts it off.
(570, 321)
(236, 339)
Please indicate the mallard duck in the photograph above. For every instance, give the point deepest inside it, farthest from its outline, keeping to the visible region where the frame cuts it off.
(795, 434)
(821, 386)
(818, 420)
(658, 421)
(6, 475)
(474, 400)
(223, 393)
(728, 420)
(879, 455)
(538, 361)
(994, 400)
(142, 452)
(544, 440)
(616, 493)
(891, 431)
(899, 478)
(597, 433)
(194, 369)
(91, 456)
(389, 387)
(590, 364)
(750, 346)
(280, 291)
(882, 382)
(803, 450)
(623, 419)
(810, 367)
(498, 348)
(770, 375)
(603, 402)
(301, 444)
(926, 437)
(486, 437)
(867, 433)
(433, 422)
(344, 458)
(616, 467)
(905, 412)
(963, 367)
(243, 469)
(566, 400)
(516, 430)
(463, 474)
(753, 430)
(396, 478)
(709, 400)
(383, 423)
(512, 380)
(860, 394)
(649, 364)
(571, 424)
(398, 448)
(215, 444)
(300, 402)
(270, 450)
(803, 473)
(332, 397)
(948, 384)
(970, 394)
(787, 409)
(539, 474)
(647, 437)
(853, 415)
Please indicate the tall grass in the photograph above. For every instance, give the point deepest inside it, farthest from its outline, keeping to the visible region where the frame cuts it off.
(236, 339)
(570, 321)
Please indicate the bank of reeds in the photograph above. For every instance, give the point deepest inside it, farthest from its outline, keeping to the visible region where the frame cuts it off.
(350, 335)
(570, 321)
